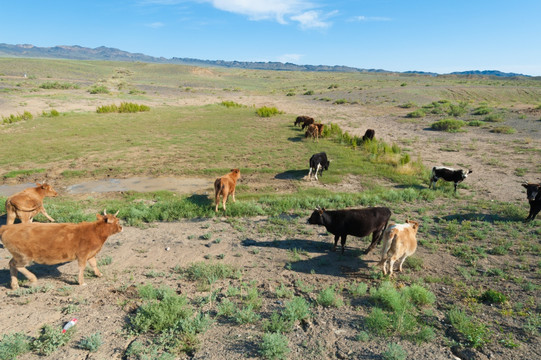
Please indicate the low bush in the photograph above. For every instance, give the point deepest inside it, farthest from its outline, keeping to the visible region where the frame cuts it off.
(13, 345)
(449, 125)
(475, 123)
(123, 108)
(407, 105)
(16, 118)
(457, 110)
(493, 297)
(473, 333)
(328, 297)
(266, 111)
(58, 86)
(494, 118)
(231, 104)
(481, 110)
(50, 340)
(416, 114)
(274, 346)
(394, 352)
(309, 92)
(99, 89)
(503, 130)
(91, 343)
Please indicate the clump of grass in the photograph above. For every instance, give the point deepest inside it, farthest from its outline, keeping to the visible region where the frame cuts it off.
(449, 125)
(16, 118)
(503, 130)
(92, 342)
(340, 101)
(309, 92)
(407, 105)
(15, 173)
(274, 346)
(124, 107)
(52, 113)
(419, 113)
(99, 89)
(394, 352)
(357, 289)
(50, 340)
(13, 345)
(267, 111)
(481, 110)
(329, 298)
(473, 333)
(494, 118)
(209, 272)
(284, 292)
(231, 104)
(475, 123)
(493, 297)
(245, 315)
(58, 86)
(457, 110)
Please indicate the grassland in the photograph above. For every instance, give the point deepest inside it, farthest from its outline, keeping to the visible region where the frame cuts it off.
(183, 282)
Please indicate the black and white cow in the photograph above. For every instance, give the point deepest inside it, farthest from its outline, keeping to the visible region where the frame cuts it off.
(318, 163)
(533, 193)
(447, 174)
(356, 222)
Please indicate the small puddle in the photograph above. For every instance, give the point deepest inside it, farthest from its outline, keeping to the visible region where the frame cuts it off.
(139, 184)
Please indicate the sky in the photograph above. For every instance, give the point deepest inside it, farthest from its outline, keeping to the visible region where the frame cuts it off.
(440, 36)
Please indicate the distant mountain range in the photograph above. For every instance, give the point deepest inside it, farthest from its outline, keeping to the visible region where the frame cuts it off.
(77, 52)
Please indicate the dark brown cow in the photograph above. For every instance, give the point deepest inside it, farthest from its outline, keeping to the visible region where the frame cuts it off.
(225, 186)
(303, 119)
(533, 193)
(28, 203)
(51, 244)
(369, 134)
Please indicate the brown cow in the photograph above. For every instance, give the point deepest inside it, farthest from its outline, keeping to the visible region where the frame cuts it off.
(307, 121)
(225, 186)
(303, 119)
(319, 128)
(51, 244)
(28, 203)
(312, 132)
(399, 242)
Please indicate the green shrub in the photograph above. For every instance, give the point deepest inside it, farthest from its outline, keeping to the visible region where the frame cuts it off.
(246, 315)
(58, 86)
(494, 118)
(231, 104)
(503, 130)
(16, 118)
(407, 105)
(357, 289)
(416, 114)
(394, 352)
(475, 334)
(209, 272)
(457, 110)
(99, 89)
(91, 343)
(158, 316)
(475, 123)
(297, 309)
(274, 346)
(266, 111)
(328, 297)
(123, 108)
(13, 345)
(493, 297)
(284, 292)
(481, 110)
(340, 101)
(226, 308)
(450, 125)
(419, 295)
(309, 92)
(51, 339)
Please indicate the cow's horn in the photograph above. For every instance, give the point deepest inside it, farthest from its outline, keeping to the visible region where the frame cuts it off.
(117, 212)
(104, 211)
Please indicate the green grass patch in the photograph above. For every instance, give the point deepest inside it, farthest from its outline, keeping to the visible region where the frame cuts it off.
(58, 86)
(449, 125)
(16, 173)
(267, 111)
(16, 118)
(503, 130)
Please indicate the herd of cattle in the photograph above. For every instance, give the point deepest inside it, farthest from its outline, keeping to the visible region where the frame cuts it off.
(55, 243)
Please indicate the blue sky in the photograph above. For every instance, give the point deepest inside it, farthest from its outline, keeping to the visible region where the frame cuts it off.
(396, 35)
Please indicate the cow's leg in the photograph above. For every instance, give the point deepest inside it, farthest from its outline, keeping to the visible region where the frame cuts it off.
(10, 219)
(343, 242)
(402, 259)
(433, 181)
(391, 264)
(455, 186)
(92, 261)
(42, 210)
(529, 215)
(82, 266)
(336, 237)
(15, 266)
(384, 263)
(317, 169)
(375, 241)
(310, 173)
(233, 195)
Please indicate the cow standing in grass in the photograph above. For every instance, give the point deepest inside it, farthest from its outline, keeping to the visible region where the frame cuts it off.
(533, 193)
(356, 222)
(448, 174)
(303, 119)
(399, 242)
(225, 186)
(51, 244)
(318, 163)
(28, 203)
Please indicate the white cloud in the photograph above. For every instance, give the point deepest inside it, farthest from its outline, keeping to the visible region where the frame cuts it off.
(369, 18)
(311, 19)
(155, 25)
(291, 58)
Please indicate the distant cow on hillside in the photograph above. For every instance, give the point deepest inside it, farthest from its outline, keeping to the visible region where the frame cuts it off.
(356, 222)
(448, 174)
(369, 135)
(51, 244)
(533, 193)
(28, 203)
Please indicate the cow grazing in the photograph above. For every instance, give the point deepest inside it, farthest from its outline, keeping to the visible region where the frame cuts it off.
(303, 119)
(533, 193)
(307, 122)
(51, 244)
(399, 242)
(447, 174)
(225, 186)
(28, 203)
(369, 134)
(318, 163)
(320, 128)
(312, 131)
(356, 222)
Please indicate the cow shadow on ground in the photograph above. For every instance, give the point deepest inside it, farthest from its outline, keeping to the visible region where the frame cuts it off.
(291, 175)
(325, 261)
(200, 200)
(296, 138)
(491, 218)
(414, 186)
(42, 272)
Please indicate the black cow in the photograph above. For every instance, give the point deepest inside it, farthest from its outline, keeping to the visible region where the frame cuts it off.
(356, 222)
(533, 192)
(369, 134)
(302, 119)
(318, 163)
(447, 174)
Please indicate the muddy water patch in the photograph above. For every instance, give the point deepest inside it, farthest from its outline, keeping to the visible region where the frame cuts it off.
(142, 184)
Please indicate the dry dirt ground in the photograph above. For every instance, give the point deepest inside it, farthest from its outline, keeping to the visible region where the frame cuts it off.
(149, 255)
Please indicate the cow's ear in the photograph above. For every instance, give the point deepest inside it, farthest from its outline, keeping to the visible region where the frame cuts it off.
(525, 185)
(99, 216)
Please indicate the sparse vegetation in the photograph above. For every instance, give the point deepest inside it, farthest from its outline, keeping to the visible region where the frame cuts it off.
(123, 108)
(267, 111)
(449, 125)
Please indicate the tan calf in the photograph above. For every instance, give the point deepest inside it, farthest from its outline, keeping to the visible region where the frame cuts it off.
(399, 242)
(51, 244)
(225, 186)
(312, 131)
(28, 203)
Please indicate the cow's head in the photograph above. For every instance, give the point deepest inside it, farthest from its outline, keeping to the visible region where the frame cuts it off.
(414, 224)
(47, 189)
(236, 173)
(532, 190)
(111, 220)
(317, 217)
(465, 173)
(326, 165)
